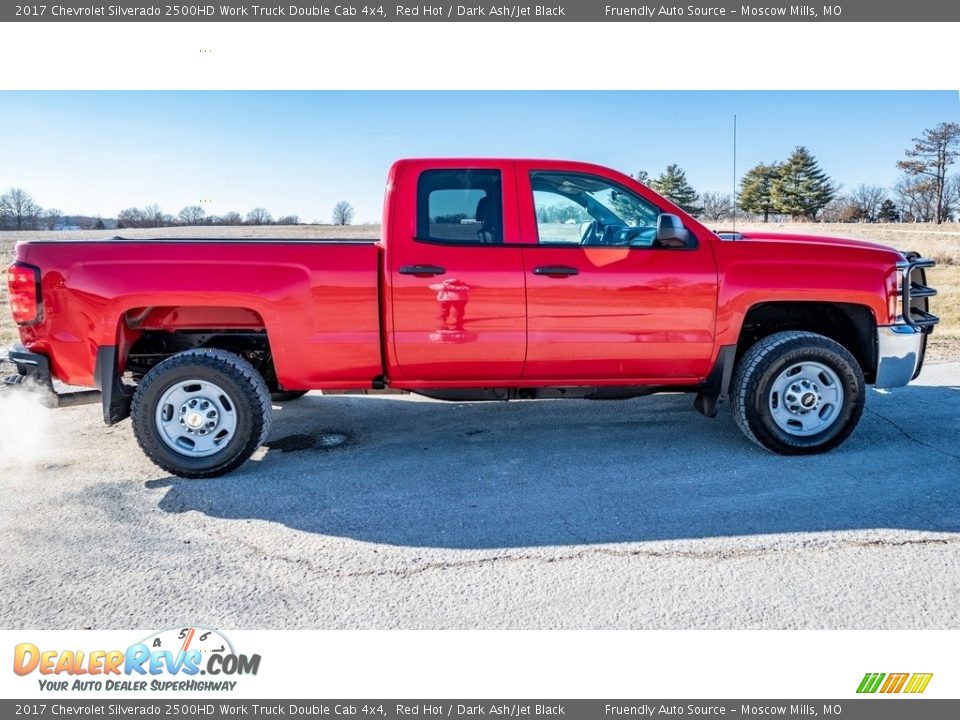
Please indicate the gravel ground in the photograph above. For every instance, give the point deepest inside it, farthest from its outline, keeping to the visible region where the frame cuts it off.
(396, 512)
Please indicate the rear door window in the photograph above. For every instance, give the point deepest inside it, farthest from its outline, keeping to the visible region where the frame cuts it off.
(463, 207)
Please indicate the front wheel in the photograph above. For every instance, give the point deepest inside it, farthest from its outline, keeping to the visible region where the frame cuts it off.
(201, 413)
(798, 393)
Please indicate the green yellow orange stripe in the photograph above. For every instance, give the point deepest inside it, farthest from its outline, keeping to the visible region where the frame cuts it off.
(894, 683)
(870, 682)
(918, 682)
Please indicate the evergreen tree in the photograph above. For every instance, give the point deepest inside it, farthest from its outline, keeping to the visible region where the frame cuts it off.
(672, 184)
(624, 206)
(888, 212)
(755, 189)
(801, 189)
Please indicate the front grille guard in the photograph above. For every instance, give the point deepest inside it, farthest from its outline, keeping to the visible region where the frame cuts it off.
(916, 293)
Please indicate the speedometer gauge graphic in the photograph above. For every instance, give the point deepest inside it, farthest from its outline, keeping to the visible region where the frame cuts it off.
(182, 640)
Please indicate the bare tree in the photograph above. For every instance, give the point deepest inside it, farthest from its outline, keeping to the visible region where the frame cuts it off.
(867, 199)
(18, 210)
(158, 218)
(716, 206)
(259, 216)
(51, 218)
(231, 218)
(342, 213)
(150, 216)
(841, 209)
(917, 199)
(954, 186)
(288, 220)
(929, 158)
(131, 217)
(192, 215)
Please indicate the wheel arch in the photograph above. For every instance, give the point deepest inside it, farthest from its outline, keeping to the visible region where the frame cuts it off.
(147, 335)
(851, 325)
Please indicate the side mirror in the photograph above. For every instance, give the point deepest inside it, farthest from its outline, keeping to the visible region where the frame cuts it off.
(671, 232)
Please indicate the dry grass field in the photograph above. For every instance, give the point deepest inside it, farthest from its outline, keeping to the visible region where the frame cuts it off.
(939, 242)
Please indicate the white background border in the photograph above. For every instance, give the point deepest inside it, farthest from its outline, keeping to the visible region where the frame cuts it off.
(442, 56)
(759, 664)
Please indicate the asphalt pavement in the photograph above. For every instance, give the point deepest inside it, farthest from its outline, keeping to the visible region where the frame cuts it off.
(399, 512)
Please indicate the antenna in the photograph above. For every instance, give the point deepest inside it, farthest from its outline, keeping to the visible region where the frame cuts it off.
(734, 172)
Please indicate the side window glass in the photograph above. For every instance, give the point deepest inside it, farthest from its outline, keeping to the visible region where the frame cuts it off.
(577, 209)
(460, 206)
(559, 218)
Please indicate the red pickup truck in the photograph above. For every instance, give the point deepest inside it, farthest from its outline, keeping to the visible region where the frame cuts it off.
(493, 280)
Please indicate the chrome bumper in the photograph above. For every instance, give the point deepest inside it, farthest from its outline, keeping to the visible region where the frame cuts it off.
(900, 350)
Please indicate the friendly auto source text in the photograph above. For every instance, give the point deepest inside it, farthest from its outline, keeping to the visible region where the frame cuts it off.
(651, 11)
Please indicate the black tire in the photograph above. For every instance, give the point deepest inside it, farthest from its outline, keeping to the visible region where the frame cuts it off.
(772, 358)
(248, 400)
(287, 395)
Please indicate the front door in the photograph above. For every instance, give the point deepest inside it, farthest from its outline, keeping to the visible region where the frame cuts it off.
(605, 300)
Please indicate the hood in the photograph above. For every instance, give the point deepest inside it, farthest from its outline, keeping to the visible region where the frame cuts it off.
(761, 236)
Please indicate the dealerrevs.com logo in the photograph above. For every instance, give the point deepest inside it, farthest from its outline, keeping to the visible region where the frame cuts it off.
(911, 683)
(168, 660)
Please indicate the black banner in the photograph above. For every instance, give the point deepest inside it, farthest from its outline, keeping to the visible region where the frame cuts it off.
(547, 11)
(878, 708)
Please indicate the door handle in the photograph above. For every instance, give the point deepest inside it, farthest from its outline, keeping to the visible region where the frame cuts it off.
(555, 271)
(422, 270)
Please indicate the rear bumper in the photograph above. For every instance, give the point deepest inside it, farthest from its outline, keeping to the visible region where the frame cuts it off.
(33, 376)
(900, 351)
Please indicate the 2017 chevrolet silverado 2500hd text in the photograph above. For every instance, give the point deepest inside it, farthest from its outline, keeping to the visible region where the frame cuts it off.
(493, 280)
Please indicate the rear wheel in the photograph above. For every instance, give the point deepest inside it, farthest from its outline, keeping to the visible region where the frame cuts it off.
(201, 413)
(798, 393)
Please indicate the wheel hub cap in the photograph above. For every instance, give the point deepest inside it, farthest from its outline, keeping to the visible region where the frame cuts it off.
(806, 398)
(199, 415)
(195, 418)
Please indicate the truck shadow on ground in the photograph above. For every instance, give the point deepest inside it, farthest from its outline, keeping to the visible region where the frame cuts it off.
(491, 475)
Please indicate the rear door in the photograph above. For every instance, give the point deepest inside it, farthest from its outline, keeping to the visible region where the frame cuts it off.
(605, 301)
(456, 275)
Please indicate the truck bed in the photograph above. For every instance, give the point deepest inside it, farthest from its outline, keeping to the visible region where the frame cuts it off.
(317, 300)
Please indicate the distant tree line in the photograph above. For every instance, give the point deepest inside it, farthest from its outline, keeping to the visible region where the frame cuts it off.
(152, 216)
(561, 214)
(19, 211)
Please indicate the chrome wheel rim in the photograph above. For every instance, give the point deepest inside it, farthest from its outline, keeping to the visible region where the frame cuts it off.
(806, 399)
(196, 418)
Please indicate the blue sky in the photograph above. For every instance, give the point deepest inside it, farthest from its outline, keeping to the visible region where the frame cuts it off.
(300, 152)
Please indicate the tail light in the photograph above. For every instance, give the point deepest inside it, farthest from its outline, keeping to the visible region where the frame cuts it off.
(25, 301)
